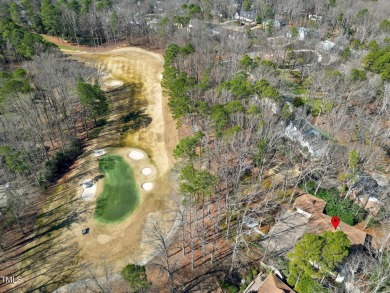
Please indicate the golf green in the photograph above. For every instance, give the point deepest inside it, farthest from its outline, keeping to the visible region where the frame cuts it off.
(120, 195)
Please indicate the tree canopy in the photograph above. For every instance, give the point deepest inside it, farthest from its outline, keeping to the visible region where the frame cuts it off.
(317, 256)
(378, 60)
(92, 97)
(199, 183)
(17, 42)
(136, 276)
(186, 146)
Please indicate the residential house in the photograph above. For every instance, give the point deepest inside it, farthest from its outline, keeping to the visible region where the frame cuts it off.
(302, 33)
(304, 133)
(367, 192)
(274, 22)
(153, 23)
(315, 17)
(327, 45)
(248, 16)
(271, 284)
(312, 207)
(364, 186)
(308, 205)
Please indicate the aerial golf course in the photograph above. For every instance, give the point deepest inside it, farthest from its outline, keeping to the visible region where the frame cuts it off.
(133, 186)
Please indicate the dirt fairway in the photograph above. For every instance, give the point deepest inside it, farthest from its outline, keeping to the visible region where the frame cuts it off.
(114, 244)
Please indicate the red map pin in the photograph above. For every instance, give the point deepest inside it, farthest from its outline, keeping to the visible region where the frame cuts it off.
(335, 221)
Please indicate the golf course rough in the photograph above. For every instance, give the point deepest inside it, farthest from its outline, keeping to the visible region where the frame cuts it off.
(120, 195)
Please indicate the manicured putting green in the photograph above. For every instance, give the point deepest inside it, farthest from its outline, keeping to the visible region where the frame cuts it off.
(120, 195)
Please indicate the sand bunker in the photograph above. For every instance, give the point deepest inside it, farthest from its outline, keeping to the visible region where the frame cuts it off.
(99, 152)
(147, 186)
(115, 83)
(146, 171)
(89, 189)
(137, 154)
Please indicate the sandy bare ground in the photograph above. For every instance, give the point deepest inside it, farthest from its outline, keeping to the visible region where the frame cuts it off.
(120, 243)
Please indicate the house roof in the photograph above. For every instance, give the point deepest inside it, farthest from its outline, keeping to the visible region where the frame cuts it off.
(302, 131)
(327, 45)
(247, 15)
(273, 284)
(310, 204)
(320, 223)
(365, 185)
(307, 129)
(373, 205)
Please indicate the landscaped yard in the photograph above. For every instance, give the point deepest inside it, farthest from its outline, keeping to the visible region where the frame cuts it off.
(120, 194)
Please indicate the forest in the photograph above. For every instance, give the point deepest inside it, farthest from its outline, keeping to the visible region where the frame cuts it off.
(272, 99)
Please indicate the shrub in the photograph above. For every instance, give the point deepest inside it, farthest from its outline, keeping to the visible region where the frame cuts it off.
(346, 54)
(297, 102)
(135, 275)
(254, 271)
(357, 74)
(228, 287)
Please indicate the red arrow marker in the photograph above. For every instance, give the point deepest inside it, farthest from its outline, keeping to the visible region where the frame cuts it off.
(335, 221)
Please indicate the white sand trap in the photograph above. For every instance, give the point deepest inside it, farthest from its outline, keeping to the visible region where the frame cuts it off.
(99, 152)
(137, 154)
(147, 186)
(89, 190)
(146, 171)
(115, 83)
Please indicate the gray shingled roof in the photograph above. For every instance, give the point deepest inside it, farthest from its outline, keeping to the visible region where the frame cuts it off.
(308, 136)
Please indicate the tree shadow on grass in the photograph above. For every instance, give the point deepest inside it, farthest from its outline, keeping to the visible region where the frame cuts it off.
(136, 120)
(46, 244)
(57, 264)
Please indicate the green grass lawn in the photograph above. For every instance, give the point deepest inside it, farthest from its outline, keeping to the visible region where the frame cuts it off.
(120, 194)
(63, 47)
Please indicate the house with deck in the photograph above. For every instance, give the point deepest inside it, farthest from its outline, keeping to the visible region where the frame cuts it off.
(313, 207)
